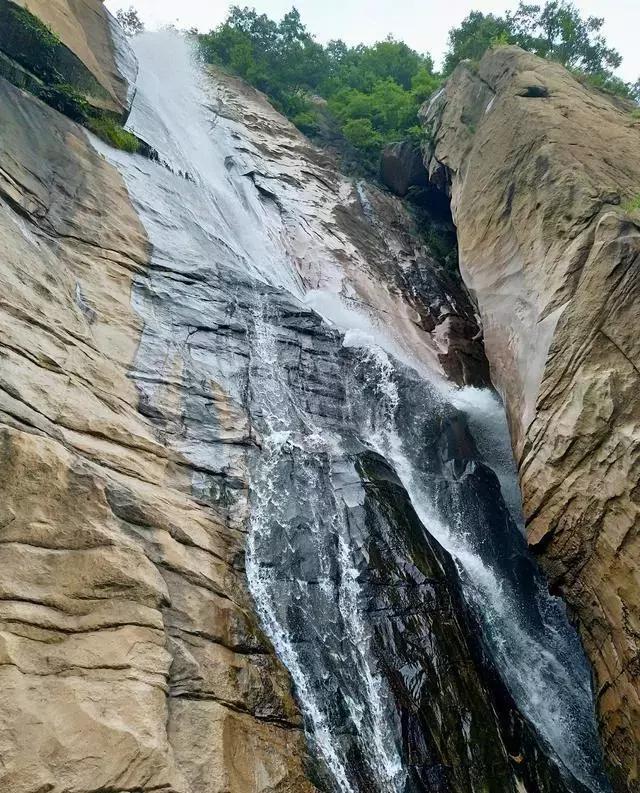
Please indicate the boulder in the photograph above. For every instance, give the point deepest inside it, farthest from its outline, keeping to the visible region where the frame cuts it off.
(402, 167)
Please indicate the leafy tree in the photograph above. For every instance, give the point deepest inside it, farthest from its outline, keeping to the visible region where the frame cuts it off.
(555, 30)
(373, 92)
(130, 21)
(424, 83)
(361, 134)
(474, 36)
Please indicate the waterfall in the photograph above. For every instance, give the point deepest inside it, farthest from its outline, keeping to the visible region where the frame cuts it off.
(527, 629)
(318, 383)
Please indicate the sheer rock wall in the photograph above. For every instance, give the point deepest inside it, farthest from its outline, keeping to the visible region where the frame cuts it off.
(542, 173)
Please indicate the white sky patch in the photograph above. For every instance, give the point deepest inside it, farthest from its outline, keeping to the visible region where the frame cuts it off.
(423, 24)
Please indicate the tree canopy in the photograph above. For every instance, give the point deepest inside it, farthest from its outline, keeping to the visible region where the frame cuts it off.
(555, 30)
(371, 94)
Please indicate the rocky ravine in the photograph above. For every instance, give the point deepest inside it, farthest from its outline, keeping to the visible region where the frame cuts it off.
(181, 419)
(542, 174)
(130, 653)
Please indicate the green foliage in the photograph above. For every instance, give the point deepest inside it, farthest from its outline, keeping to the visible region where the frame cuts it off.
(66, 99)
(424, 83)
(361, 133)
(474, 36)
(555, 30)
(633, 205)
(49, 72)
(33, 26)
(442, 243)
(32, 43)
(307, 121)
(606, 82)
(372, 92)
(113, 133)
(281, 59)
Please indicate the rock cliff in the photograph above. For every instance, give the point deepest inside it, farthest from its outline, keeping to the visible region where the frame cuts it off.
(69, 45)
(544, 175)
(241, 494)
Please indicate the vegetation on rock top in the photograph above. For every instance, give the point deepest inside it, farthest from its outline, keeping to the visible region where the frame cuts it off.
(36, 60)
(369, 95)
(373, 92)
(632, 205)
(555, 31)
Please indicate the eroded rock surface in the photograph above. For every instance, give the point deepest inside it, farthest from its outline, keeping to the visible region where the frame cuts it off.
(540, 169)
(210, 366)
(402, 167)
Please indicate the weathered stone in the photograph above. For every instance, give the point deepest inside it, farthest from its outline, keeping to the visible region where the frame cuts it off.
(120, 592)
(139, 370)
(94, 42)
(402, 167)
(539, 168)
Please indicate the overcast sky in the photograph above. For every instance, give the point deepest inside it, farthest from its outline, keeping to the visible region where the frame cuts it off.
(423, 24)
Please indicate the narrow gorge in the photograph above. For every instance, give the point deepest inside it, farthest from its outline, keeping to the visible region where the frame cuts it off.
(290, 503)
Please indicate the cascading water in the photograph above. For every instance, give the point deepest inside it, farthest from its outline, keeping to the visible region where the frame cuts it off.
(527, 630)
(337, 585)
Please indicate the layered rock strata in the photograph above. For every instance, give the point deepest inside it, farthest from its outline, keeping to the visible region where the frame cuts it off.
(146, 340)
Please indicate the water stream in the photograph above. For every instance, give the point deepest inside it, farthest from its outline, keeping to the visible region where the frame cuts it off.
(318, 390)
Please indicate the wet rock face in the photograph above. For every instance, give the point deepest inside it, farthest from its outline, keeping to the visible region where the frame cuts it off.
(127, 438)
(402, 167)
(202, 486)
(365, 605)
(131, 656)
(352, 242)
(539, 170)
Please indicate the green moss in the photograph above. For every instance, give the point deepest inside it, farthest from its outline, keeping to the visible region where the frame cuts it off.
(633, 205)
(635, 114)
(108, 130)
(67, 100)
(35, 27)
(32, 43)
(36, 48)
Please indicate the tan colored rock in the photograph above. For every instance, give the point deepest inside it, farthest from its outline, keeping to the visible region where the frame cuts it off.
(540, 168)
(86, 28)
(130, 657)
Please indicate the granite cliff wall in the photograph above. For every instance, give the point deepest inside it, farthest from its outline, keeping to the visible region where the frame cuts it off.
(544, 178)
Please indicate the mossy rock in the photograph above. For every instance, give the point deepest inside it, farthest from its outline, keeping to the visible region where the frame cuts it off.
(36, 48)
(33, 58)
